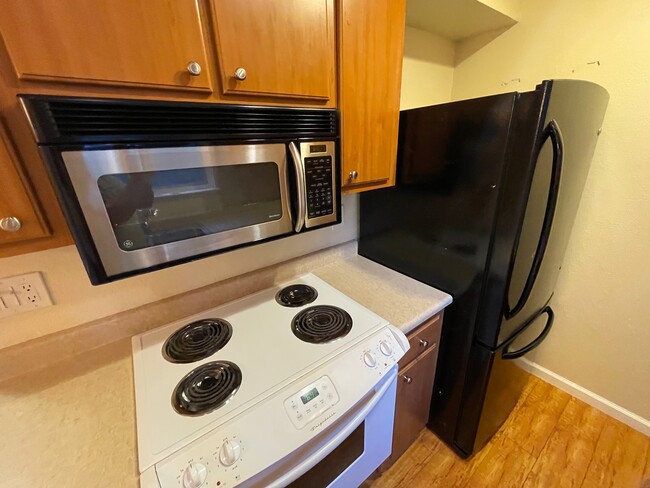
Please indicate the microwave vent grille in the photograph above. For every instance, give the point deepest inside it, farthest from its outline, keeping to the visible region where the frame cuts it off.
(64, 120)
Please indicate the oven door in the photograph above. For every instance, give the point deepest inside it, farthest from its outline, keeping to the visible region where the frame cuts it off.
(147, 207)
(347, 453)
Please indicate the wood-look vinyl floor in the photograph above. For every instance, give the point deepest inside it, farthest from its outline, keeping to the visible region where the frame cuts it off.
(550, 440)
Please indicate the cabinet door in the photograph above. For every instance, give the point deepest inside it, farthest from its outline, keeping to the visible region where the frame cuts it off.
(146, 43)
(371, 45)
(286, 47)
(414, 390)
(20, 219)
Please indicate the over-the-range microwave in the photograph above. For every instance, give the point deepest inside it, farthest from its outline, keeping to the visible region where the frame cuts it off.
(149, 184)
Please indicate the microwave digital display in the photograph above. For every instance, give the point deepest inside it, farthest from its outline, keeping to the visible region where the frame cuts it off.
(317, 148)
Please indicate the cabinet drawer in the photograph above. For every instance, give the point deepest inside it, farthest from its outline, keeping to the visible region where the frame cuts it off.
(423, 339)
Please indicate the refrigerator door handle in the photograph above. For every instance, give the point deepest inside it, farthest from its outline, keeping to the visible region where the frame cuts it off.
(536, 342)
(552, 131)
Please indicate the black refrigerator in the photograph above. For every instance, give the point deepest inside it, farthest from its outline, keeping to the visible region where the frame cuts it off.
(486, 194)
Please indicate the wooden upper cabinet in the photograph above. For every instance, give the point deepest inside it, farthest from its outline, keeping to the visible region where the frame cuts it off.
(20, 217)
(287, 48)
(371, 44)
(114, 42)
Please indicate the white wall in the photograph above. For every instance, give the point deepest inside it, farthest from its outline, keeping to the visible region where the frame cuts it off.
(601, 338)
(427, 69)
(78, 302)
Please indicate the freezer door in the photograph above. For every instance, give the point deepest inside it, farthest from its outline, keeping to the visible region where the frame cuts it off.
(493, 389)
(494, 385)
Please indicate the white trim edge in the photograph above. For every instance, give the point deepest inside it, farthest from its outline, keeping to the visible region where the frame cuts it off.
(610, 408)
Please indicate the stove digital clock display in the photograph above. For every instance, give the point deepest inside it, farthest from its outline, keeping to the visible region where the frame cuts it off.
(309, 396)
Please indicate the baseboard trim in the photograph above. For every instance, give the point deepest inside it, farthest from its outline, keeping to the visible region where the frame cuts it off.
(610, 408)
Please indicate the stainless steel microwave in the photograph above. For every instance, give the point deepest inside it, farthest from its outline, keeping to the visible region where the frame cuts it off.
(149, 184)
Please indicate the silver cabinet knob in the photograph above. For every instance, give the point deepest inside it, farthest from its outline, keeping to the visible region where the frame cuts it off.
(424, 344)
(240, 73)
(194, 68)
(407, 379)
(10, 224)
(353, 175)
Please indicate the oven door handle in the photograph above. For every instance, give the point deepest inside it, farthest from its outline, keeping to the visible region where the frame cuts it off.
(318, 456)
(301, 184)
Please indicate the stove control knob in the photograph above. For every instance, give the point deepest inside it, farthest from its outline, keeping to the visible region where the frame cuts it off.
(370, 359)
(194, 475)
(385, 348)
(229, 453)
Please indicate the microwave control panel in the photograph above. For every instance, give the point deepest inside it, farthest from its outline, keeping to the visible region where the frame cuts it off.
(320, 191)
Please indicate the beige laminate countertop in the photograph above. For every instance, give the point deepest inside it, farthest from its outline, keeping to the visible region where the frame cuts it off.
(72, 423)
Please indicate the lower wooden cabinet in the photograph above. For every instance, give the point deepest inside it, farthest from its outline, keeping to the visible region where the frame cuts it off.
(414, 387)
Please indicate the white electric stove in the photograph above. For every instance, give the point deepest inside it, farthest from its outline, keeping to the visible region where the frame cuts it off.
(259, 391)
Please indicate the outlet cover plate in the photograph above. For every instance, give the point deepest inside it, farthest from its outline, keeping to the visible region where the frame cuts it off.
(22, 293)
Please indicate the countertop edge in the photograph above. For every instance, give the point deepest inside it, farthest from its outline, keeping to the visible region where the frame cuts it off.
(408, 327)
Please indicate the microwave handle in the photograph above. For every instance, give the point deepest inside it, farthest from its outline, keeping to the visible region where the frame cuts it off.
(301, 184)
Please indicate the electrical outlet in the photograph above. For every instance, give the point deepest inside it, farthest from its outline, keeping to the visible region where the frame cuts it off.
(23, 293)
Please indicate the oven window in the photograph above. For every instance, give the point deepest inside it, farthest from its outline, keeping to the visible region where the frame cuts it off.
(157, 207)
(335, 463)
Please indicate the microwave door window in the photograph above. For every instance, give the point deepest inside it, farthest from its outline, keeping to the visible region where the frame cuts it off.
(152, 208)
